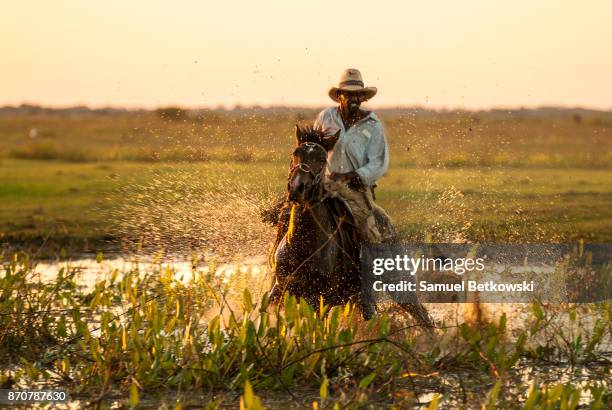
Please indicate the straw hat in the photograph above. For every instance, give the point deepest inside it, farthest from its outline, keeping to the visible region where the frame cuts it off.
(351, 81)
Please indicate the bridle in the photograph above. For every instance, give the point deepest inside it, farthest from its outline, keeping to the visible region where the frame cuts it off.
(307, 169)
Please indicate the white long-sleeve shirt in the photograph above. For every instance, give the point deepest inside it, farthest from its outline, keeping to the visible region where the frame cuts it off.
(362, 148)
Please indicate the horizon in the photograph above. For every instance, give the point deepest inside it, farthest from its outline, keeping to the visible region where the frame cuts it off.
(300, 107)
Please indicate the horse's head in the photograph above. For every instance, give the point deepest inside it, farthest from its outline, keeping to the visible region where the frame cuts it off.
(309, 163)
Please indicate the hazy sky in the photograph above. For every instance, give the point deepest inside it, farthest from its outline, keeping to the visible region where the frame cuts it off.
(454, 54)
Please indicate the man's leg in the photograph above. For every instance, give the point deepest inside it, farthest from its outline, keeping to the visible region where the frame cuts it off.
(360, 205)
(383, 223)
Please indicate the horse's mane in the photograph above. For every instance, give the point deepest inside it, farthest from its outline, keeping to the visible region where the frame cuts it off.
(310, 133)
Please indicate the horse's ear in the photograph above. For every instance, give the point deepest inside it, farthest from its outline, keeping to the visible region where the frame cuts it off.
(299, 134)
(330, 140)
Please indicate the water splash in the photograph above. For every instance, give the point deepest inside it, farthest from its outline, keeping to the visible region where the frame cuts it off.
(193, 210)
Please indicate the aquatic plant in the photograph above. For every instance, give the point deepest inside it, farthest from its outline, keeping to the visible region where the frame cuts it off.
(148, 335)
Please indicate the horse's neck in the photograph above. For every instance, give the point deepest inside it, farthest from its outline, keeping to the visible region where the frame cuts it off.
(311, 224)
(320, 217)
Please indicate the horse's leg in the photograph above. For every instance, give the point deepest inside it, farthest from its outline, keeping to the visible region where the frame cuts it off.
(279, 255)
(281, 228)
(368, 310)
(419, 313)
(275, 293)
(273, 212)
(278, 262)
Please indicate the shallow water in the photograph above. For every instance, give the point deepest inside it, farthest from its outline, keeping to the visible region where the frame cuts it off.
(92, 271)
(254, 273)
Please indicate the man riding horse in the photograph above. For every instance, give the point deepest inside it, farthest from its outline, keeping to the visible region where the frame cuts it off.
(358, 159)
(329, 210)
(360, 156)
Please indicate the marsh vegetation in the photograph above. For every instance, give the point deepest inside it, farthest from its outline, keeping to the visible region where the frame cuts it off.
(154, 336)
(153, 185)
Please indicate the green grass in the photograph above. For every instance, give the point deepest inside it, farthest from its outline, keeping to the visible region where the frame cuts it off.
(469, 176)
(76, 204)
(530, 139)
(501, 204)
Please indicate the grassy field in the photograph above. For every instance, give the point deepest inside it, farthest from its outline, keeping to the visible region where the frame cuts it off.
(78, 180)
(152, 337)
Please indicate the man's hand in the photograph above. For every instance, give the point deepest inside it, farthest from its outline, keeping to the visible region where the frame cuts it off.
(343, 176)
(351, 178)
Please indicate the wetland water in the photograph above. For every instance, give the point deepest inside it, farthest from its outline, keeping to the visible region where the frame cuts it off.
(253, 273)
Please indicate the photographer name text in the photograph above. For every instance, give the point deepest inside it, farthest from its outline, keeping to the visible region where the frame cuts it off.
(470, 285)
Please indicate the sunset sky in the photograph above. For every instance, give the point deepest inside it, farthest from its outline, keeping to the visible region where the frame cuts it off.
(452, 54)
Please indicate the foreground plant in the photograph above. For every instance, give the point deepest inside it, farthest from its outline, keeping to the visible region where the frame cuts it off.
(138, 334)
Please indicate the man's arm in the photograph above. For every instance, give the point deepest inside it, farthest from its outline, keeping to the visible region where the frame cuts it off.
(377, 154)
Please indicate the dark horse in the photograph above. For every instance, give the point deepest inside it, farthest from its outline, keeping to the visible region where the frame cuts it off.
(317, 249)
